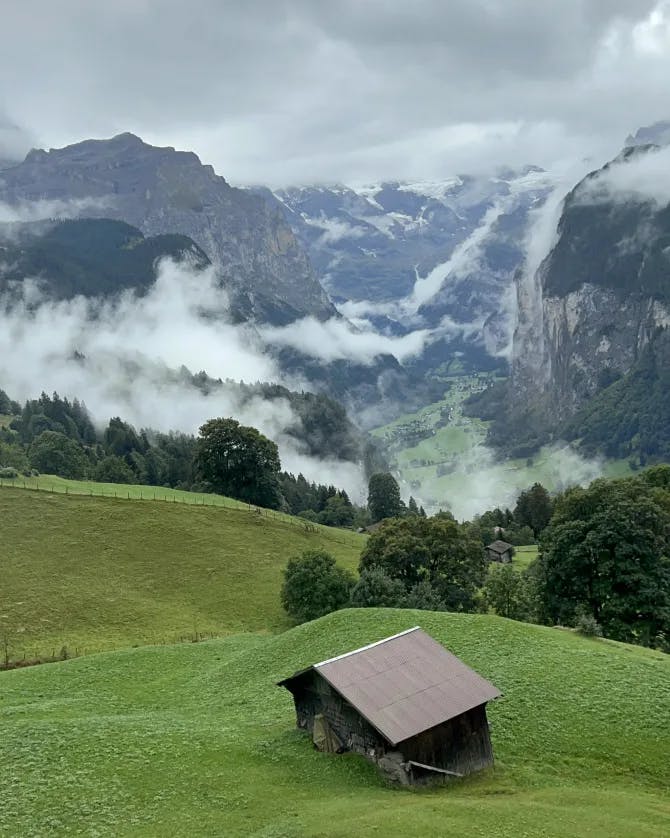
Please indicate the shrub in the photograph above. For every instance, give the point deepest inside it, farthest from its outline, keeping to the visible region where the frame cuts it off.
(587, 625)
(314, 586)
(8, 473)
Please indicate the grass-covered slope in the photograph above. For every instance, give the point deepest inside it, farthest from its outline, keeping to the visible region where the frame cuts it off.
(195, 739)
(92, 573)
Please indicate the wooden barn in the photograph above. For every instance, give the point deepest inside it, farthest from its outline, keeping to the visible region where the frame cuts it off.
(499, 551)
(405, 703)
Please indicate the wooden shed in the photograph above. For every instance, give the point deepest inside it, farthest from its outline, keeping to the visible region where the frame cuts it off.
(405, 703)
(499, 551)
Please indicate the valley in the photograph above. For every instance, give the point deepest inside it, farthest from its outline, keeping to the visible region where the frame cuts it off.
(245, 429)
(441, 457)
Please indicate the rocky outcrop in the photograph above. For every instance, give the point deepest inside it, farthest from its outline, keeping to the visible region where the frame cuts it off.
(600, 297)
(160, 190)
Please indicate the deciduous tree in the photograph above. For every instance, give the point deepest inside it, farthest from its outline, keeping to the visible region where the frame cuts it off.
(438, 549)
(239, 461)
(605, 554)
(314, 585)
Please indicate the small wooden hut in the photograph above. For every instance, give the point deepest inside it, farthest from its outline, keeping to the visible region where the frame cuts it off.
(405, 703)
(499, 551)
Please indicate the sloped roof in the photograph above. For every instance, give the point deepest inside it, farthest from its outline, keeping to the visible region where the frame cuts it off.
(405, 684)
(499, 546)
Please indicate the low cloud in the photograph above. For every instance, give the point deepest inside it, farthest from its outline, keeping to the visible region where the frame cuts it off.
(464, 260)
(641, 176)
(337, 339)
(45, 210)
(123, 357)
(334, 230)
(484, 483)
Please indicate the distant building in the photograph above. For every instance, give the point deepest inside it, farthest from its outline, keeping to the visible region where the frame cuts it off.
(499, 551)
(405, 703)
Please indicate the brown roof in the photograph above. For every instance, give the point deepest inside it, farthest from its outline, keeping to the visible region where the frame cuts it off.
(499, 546)
(405, 684)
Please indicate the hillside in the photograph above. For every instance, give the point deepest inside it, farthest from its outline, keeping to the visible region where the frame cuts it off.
(90, 573)
(196, 739)
(87, 256)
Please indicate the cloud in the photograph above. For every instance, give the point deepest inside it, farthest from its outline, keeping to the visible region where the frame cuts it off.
(301, 91)
(14, 142)
(464, 259)
(642, 176)
(123, 356)
(481, 482)
(334, 230)
(44, 209)
(337, 339)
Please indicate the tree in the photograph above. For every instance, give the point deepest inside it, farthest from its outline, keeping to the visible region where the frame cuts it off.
(113, 469)
(424, 597)
(54, 453)
(412, 507)
(438, 549)
(314, 586)
(384, 497)
(376, 589)
(239, 461)
(605, 554)
(508, 592)
(533, 509)
(338, 512)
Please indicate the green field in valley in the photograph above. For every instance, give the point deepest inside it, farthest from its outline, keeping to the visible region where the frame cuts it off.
(93, 573)
(440, 456)
(195, 740)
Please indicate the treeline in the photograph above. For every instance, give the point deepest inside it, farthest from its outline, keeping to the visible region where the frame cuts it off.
(54, 435)
(603, 568)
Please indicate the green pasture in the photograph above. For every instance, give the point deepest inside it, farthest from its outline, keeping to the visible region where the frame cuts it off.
(196, 740)
(92, 573)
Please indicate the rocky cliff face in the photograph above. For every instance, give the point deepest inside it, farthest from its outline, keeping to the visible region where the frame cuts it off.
(601, 296)
(160, 190)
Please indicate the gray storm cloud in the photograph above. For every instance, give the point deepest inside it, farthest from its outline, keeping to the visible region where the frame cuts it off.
(294, 91)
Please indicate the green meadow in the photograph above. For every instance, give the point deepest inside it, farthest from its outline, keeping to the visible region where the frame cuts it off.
(450, 467)
(91, 573)
(196, 740)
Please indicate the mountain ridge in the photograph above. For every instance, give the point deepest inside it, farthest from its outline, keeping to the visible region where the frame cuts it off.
(164, 191)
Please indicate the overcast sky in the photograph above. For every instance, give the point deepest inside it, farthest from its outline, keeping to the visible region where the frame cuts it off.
(290, 91)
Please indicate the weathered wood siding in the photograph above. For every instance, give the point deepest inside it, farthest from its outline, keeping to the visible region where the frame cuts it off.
(462, 745)
(314, 695)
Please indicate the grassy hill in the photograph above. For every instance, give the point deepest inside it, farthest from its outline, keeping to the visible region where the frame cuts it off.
(90, 573)
(195, 739)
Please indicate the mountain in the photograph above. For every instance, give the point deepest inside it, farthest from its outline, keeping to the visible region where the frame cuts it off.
(417, 253)
(162, 191)
(656, 134)
(593, 320)
(89, 256)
